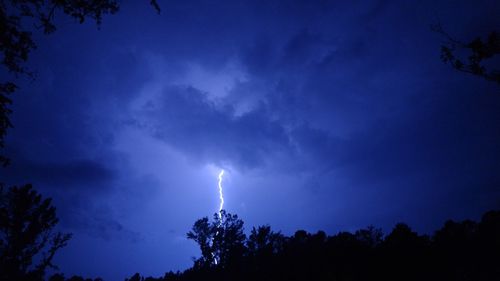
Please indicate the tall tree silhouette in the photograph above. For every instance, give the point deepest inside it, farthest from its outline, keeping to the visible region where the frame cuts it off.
(27, 240)
(222, 242)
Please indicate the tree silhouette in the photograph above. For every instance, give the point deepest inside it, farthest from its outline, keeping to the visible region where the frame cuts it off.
(489, 246)
(202, 233)
(27, 240)
(222, 242)
(478, 52)
(135, 277)
(229, 239)
(264, 242)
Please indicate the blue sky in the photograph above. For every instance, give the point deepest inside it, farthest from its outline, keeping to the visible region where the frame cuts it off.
(326, 116)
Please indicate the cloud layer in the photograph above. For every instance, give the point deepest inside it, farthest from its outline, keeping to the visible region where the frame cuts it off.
(326, 116)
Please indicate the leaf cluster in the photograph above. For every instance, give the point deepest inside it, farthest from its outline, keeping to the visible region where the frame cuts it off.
(478, 53)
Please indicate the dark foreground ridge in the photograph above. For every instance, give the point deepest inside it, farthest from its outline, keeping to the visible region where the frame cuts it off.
(459, 251)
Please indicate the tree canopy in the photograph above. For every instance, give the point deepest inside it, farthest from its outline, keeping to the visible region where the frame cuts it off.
(221, 241)
(28, 241)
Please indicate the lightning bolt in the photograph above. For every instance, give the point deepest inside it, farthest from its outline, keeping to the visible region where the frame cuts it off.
(221, 195)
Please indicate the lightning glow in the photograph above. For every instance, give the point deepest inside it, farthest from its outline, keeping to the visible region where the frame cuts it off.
(221, 195)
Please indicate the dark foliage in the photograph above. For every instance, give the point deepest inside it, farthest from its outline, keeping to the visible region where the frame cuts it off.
(458, 251)
(27, 240)
(60, 277)
(222, 242)
(477, 52)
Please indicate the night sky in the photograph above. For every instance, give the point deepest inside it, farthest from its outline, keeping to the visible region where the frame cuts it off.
(326, 115)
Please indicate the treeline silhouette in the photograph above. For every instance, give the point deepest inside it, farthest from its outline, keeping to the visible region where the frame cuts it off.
(464, 250)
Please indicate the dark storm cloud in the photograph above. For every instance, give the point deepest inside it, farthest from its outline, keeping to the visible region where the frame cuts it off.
(64, 125)
(101, 224)
(320, 96)
(185, 118)
(79, 173)
(271, 57)
(437, 141)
